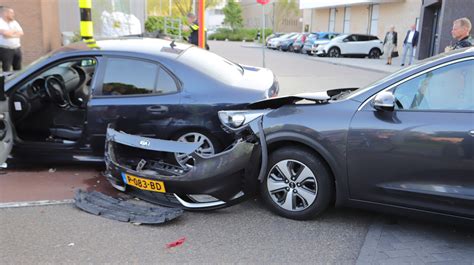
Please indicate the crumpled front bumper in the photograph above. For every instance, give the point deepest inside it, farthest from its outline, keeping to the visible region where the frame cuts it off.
(213, 182)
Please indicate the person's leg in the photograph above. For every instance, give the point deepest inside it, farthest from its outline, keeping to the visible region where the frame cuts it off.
(6, 56)
(411, 54)
(17, 59)
(404, 53)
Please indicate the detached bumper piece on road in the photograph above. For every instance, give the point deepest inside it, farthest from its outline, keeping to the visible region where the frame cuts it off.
(139, 165)
(100, 204)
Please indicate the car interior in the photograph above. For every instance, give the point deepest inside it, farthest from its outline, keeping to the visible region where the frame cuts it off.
(51, 107)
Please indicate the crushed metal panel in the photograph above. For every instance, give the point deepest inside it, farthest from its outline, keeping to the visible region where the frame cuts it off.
(102, 205)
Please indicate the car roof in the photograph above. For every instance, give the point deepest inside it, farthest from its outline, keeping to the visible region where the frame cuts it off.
(146, 46)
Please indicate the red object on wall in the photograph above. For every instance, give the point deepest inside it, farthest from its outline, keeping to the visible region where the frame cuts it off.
(263, 2)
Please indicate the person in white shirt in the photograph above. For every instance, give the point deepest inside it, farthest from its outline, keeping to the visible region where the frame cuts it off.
(410, 43)
(10, 34)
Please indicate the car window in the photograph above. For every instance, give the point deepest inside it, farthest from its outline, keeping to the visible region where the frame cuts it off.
(351, 38)
(447, 88)
(166, 84)
(129, 77)
(362, 38)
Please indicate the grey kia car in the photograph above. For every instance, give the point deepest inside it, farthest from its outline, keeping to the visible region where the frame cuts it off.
(403, 145)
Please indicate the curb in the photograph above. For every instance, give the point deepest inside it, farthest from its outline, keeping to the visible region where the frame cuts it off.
(368, 250)
(353, 66)
(34, 203)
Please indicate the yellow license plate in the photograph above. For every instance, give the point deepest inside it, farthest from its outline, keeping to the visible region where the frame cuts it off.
(144, 184)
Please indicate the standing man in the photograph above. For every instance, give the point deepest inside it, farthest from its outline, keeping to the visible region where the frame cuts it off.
(10, 33)
(194, 28)
(460, 32)
(410, 42)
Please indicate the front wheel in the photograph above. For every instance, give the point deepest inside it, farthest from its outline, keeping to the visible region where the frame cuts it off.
(374, 54)
(208, 148)
(334, 52)
(297, 185)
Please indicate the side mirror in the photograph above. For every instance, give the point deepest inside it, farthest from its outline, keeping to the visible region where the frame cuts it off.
(384, 101)
(345, 40)
(2, 88)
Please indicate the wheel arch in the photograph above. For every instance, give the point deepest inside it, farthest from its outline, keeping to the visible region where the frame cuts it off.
(280, 140)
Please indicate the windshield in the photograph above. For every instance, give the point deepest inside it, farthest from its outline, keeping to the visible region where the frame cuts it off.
(212, 64)
(397, 73)
(313, 36)
(17, 73)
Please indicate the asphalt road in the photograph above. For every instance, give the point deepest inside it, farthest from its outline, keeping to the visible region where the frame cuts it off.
(246, 233)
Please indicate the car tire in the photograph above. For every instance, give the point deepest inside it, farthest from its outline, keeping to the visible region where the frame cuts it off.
(309, 196)
(211, 145)
(334, 52)
(291, 48)
(374, 53)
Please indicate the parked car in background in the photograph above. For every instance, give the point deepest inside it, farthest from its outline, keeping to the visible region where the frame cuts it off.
(299, 42)
(316, 39)
(352, 45)
(273, 35)
(61, 105)
(275, 43)
(287, 44)
(404, 144)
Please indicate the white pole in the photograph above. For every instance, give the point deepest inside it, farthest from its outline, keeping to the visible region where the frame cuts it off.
(194, 7)
(263, 35)
(170, 4)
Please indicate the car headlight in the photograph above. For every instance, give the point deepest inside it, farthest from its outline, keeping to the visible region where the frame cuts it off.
(236, 119)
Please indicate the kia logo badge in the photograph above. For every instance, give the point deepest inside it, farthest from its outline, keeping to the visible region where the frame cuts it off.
(145, 142)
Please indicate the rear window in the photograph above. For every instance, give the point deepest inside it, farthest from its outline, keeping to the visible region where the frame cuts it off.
(212, 64)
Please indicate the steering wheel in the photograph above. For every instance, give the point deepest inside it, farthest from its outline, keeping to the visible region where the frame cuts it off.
(55, 89)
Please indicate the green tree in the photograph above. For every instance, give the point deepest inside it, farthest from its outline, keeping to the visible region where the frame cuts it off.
(180, 8)
(233, 15)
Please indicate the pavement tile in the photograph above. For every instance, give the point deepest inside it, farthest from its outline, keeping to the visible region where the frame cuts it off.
(400, 253)
(452, 262)
(400, 261)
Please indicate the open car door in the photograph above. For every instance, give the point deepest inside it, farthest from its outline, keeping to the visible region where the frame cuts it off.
(6, 134)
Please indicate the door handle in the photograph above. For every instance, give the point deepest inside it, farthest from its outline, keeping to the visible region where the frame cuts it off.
(157, 109)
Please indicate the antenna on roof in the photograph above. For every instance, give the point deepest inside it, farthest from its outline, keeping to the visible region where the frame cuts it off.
(172, 45)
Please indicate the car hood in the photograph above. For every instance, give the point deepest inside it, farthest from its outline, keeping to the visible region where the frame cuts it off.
(256, 78)
(316, 97)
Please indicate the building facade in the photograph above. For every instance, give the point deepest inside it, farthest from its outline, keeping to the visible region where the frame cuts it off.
(361, 16)
(40, 22)
(436, 23)
(433, 19)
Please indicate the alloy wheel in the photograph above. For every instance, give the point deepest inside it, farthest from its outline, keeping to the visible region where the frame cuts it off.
(292, 185)
(205, 150)
(334, 52)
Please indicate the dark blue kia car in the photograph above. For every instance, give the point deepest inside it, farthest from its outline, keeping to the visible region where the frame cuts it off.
(59, 107)
(404, 144)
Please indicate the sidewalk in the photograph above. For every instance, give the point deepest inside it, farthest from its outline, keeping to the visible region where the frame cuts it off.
(377, 65)
(397, 240)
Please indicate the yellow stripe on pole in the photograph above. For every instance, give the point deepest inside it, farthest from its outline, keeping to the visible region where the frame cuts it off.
(87, 29)
(85, 3)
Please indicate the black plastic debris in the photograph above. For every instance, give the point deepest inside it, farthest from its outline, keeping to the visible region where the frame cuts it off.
(125, 211)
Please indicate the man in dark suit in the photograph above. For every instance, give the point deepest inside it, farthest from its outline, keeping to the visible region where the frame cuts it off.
(410, 43)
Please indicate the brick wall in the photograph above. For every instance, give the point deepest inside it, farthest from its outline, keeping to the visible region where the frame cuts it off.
(40, 23)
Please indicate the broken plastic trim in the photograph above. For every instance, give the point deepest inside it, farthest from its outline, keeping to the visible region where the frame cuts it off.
(102, 205)
(152, 144)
